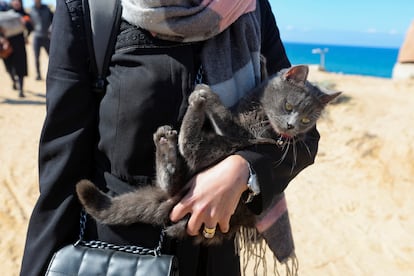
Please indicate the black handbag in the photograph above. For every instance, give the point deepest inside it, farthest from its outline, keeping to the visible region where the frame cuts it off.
(101, 258)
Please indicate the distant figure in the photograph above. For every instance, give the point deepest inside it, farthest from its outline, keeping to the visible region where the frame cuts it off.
(41, 17)
(3, 5)
(16, 63)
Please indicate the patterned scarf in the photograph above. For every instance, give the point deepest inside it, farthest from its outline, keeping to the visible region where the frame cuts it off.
(230, 59)
(230, 29)
(273, 231)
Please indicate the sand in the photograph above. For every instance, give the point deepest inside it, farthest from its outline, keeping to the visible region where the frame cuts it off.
(350, 211)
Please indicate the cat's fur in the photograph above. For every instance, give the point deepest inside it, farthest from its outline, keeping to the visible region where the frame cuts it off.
(278, 111)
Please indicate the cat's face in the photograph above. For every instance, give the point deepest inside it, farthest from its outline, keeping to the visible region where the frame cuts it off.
(292, 104)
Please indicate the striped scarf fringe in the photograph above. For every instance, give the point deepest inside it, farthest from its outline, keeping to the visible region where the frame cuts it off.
(256, 257)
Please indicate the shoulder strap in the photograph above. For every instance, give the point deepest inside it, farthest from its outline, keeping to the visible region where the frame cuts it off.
(102, 19)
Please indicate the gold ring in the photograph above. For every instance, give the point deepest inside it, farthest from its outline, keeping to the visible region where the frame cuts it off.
(208, 233)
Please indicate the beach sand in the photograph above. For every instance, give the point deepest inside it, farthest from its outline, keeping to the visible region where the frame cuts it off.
(350, 211)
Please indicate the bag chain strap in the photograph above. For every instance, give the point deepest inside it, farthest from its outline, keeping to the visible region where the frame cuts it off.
(199, 76)
(123, 248)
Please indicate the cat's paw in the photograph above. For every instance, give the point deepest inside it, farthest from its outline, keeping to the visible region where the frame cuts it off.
(203, 96)
(200, 95)
(164, 136)
(197, 99)
(166, 140)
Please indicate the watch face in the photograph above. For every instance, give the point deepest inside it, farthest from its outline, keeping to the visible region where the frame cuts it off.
(252, 181)
(252, 184)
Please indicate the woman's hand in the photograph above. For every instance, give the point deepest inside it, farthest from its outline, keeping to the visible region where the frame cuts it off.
(214, 195)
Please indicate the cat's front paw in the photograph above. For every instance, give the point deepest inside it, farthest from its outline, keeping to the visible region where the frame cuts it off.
(200, 95)
(196, 99)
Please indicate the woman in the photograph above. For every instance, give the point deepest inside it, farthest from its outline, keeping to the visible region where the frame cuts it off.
(16, 63)
(152, 72)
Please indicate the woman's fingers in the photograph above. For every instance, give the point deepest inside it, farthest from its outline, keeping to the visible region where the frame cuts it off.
(213, 196)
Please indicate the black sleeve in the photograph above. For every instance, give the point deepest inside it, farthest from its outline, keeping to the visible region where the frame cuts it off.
(273, 174)
(66, 144)
(272, 46)
(28, 24)
(50, 15)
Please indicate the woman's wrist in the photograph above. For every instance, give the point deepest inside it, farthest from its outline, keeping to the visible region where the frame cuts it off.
(249, 179)
(243, 168)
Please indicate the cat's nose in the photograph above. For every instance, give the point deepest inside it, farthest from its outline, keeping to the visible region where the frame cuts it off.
(289, 126)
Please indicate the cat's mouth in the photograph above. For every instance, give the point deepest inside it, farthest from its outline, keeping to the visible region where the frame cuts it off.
(283, 139)
(282, 132)
(285, 136)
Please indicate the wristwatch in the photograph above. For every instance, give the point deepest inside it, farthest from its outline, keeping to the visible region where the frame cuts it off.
(253, 186)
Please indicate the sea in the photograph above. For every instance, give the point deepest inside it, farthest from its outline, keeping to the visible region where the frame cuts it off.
(350, 60)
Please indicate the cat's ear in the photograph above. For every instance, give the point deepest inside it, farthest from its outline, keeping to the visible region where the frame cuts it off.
(325, 98)
(297, 74)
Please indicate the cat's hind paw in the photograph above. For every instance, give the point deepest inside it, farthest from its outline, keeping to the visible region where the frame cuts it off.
(165, 135)
(166, 144)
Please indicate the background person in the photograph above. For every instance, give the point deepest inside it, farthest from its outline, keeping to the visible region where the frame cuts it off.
(16, 63)
(3, 5)
(42, 17)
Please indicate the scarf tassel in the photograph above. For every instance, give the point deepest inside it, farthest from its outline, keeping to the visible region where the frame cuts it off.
(255, 256)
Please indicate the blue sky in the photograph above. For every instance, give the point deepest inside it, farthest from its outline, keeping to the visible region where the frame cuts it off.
(349, 22)
(346, 22)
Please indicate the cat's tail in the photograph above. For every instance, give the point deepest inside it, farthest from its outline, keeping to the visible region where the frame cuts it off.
(150, 205)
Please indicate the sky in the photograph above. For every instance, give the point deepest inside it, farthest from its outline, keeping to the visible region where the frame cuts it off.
(347, 22)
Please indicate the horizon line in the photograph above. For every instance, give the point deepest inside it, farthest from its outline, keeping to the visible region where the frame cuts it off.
(341, 44)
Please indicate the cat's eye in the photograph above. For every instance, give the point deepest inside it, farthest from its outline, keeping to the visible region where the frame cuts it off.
(288, 106)
(305, 120)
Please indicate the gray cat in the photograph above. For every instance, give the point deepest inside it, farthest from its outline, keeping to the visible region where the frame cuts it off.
(279, 111)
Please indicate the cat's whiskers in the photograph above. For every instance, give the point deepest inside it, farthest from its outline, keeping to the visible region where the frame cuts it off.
(307, 148)
(284, 146)
(294, 151)
(278, 162)
(260, 127)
